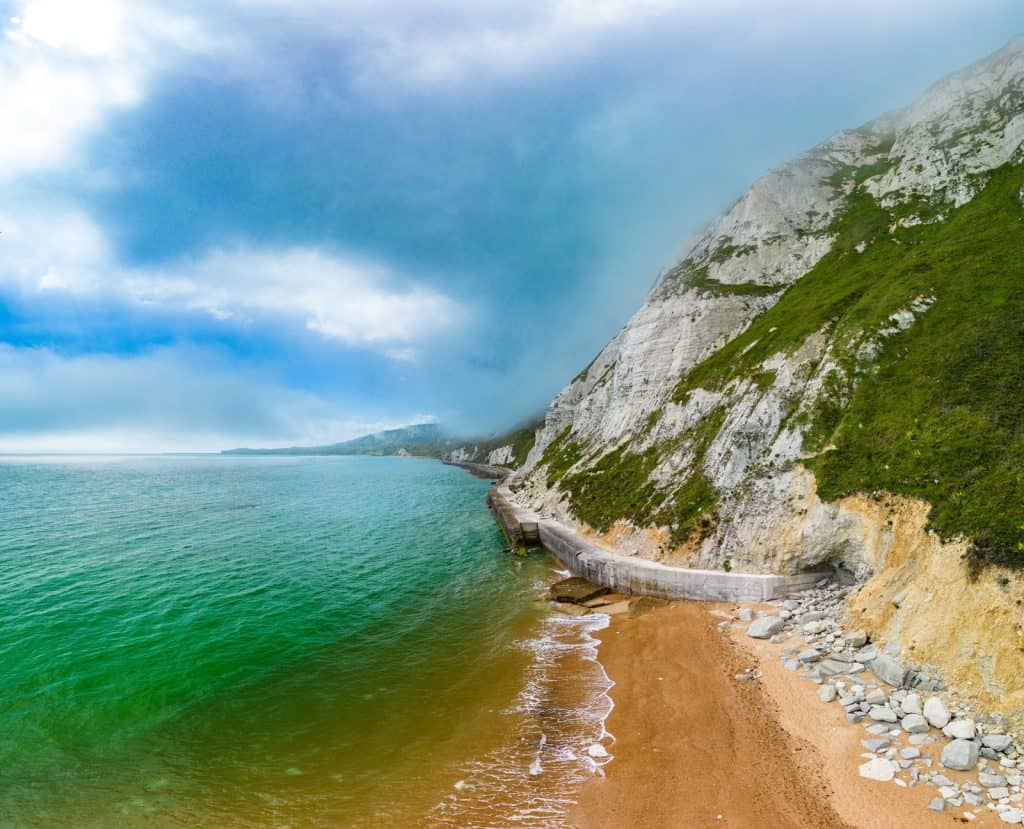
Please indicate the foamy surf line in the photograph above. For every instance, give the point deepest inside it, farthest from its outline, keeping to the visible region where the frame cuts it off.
(559, 742)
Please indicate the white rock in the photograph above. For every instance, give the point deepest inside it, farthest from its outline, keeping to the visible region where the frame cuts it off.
(960, 755)
(936, 713)
(914, 724)
(746, 614)
(857, 638)
(998, 742)
(963, 729)
(765, 627)
(1012, 816)
(882, 713)
(911, 704)
(597, 751)
(876, 697)
(827, 693)
(879, 769)
(888, 669)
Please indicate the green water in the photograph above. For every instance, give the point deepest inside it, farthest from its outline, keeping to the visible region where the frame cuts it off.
(208, 641)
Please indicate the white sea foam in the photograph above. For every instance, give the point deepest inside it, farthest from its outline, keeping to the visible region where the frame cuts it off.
(537, 766)
(561, 711)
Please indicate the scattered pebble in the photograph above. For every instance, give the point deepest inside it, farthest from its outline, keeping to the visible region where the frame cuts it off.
(903, 715)
(878, 769)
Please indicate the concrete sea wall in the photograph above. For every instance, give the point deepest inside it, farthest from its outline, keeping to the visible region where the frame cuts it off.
(636, 576)
(480, 470)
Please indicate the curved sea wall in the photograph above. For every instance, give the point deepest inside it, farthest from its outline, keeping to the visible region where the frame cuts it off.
(636, 576)
(480, 470)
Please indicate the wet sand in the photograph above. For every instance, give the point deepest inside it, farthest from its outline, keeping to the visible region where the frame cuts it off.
(695, 747)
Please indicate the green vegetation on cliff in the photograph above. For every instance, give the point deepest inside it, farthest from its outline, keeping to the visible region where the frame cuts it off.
(942, 416)
(619, 485)
(939, 413)
(700, 280)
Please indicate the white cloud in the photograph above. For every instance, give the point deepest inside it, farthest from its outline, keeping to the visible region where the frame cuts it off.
(343, 298)
(509, 42)
(67, 65)
(93, 29)
(172, 399)
(436, 44)
(48, 246)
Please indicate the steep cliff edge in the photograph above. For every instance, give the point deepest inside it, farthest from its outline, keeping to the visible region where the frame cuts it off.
(850, 333)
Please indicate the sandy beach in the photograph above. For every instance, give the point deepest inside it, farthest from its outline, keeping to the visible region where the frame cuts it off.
(695, 747)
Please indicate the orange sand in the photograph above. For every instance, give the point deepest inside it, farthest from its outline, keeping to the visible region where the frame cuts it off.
(697, 748)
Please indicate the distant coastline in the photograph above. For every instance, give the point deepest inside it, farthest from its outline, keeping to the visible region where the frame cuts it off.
(501, 451)
(422, 439)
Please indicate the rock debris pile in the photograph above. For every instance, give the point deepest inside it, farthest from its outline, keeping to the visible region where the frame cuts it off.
(916, 731)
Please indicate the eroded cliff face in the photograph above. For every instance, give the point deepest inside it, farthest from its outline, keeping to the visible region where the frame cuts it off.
(924, 595)
(693, 404)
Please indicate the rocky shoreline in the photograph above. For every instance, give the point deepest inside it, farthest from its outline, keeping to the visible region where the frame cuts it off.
(916, 730)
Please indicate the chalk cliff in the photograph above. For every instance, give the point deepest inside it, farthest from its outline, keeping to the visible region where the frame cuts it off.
(706, 430)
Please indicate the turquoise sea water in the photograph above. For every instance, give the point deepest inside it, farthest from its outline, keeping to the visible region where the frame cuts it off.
(212, 641)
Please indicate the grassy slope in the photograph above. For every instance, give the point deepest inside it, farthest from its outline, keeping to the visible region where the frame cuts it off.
(940, 416)
(521, 440)
(617, 485)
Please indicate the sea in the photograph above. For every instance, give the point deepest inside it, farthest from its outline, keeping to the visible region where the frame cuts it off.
(285, 642)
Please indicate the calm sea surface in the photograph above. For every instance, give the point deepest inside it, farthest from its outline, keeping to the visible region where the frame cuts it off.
(279, 642)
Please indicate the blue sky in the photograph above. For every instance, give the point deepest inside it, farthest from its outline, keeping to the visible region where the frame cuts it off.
(265, 222)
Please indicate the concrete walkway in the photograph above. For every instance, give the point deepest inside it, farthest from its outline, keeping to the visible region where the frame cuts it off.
(637, 576)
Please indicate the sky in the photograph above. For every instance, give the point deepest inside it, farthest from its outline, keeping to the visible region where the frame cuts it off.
(266, 222)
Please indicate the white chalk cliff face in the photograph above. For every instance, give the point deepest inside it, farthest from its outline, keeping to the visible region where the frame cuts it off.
(746, 440)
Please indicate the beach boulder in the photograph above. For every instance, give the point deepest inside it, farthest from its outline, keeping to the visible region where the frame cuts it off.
(765, 627)
(889, 670)
(962, 729)
(936, 713)
(998, 742)
(960, 755)
(915, 724)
